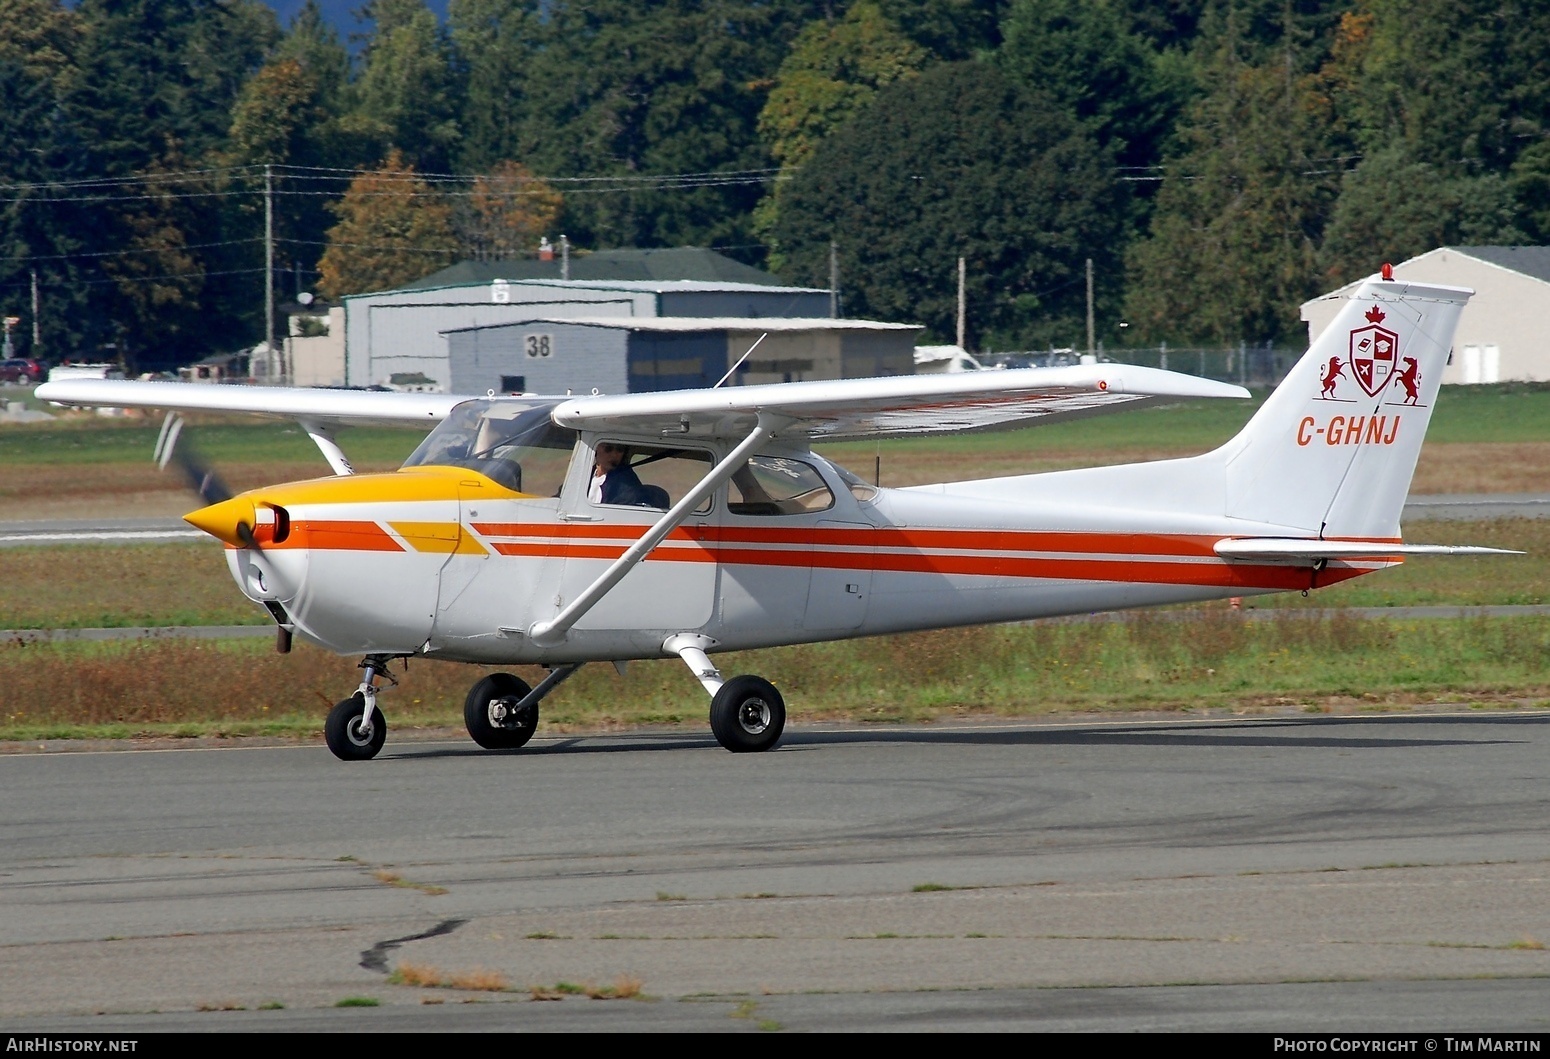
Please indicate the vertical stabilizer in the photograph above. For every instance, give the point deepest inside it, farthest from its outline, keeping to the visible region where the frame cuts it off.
(1333, 449)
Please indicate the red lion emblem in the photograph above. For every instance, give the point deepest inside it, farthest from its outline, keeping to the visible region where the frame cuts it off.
(1410, 379)
(1332, 372)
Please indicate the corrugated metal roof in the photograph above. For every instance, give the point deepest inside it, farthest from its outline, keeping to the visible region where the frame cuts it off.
(654, 266)
(703, 323)
(1530, 260)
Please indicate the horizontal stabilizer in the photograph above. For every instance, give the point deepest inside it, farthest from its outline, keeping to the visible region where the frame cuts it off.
(1304, 551)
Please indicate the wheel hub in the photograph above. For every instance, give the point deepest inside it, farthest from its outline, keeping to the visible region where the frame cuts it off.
(503, 713)
(754, 716)
(357, 735)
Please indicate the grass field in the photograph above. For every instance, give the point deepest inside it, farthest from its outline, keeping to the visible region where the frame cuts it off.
(1215, 661)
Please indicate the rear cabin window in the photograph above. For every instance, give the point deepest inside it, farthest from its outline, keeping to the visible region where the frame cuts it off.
(650, 476)
(777, 485)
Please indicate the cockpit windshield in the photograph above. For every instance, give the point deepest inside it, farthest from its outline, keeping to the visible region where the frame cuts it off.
(514, 443)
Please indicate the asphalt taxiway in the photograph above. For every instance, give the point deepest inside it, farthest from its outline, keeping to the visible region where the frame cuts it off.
(1382, 872)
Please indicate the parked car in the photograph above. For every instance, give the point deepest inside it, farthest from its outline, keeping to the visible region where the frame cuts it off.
(20, 371)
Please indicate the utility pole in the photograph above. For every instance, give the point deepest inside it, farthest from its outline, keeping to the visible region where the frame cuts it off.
(1091, 344)
(564, 257)
(834, 280)
(37, 328)
(269, 271)
(962, 311)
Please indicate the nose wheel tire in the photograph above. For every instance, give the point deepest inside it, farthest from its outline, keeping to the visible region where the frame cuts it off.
(491, 716)
(342, 730)
(747, 715)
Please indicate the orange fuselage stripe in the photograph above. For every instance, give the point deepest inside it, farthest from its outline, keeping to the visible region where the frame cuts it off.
(1116, 557)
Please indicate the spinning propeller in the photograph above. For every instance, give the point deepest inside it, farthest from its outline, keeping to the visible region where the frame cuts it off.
(225, 515)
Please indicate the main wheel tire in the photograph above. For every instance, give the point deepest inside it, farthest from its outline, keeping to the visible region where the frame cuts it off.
(747, 715)
(342, 730)
(499, 733)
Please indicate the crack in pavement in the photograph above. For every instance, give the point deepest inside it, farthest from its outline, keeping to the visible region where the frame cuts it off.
(375, 958)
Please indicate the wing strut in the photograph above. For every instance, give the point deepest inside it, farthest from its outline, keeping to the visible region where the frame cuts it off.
(551, 632)
(323, 437)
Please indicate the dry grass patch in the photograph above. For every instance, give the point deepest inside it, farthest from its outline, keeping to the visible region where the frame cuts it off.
(388, 878)
(480, 980)
(624, 987)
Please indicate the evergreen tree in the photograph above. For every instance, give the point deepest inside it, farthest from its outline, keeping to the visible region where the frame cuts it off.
(159, 72)
(1450, 105)
(313, 42)
(1392, 208)
(952, 30)
(150, 99)
(1013, 184)
(833, 71)
(1081, 54)
(37, 55)
(637, 90)
(1233, 246)
(496, 42)
(404, 99)
(1463, 84)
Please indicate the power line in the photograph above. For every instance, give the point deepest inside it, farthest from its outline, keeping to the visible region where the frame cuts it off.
(130, 253)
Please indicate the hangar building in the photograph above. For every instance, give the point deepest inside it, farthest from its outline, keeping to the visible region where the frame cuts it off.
(403, 332)
(632, 354)
(1504, 332)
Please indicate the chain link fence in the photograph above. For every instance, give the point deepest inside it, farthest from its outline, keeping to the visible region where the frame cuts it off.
(1253, 366)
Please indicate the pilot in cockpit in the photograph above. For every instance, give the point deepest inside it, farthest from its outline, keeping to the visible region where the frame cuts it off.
(613, 480)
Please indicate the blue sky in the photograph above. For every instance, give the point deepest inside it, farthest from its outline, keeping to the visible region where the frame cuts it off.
(340, 12)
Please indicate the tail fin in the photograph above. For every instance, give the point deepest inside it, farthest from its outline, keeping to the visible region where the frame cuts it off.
(1333, 449)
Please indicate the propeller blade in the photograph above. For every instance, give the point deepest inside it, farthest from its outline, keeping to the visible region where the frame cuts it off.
(200, 477)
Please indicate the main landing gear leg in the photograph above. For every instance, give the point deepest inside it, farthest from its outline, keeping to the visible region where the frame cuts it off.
(501, 711)
(355, 729)
(747, 714)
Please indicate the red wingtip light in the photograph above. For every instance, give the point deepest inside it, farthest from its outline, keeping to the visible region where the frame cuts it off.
(1388, 270)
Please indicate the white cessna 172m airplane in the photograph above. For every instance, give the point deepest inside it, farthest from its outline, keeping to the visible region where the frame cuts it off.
(716, 527)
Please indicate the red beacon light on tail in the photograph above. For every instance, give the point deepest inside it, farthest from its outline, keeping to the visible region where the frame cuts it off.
(1388, 270)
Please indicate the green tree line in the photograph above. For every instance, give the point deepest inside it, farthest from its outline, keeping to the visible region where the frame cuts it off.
(1219, 161)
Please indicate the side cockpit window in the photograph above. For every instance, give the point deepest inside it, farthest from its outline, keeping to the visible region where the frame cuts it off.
(652, 476)
(777, 485)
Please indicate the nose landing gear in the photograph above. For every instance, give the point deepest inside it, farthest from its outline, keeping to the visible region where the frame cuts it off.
(355, 729)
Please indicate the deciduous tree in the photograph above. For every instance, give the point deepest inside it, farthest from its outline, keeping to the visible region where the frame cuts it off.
(393, 228)
(506, 213)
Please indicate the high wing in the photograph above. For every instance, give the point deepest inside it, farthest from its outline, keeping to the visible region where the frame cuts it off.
(900, 405)
(317, 411)
(335, 407)
(828, 410)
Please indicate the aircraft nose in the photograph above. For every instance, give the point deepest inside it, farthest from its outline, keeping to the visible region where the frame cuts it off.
(222, 520)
